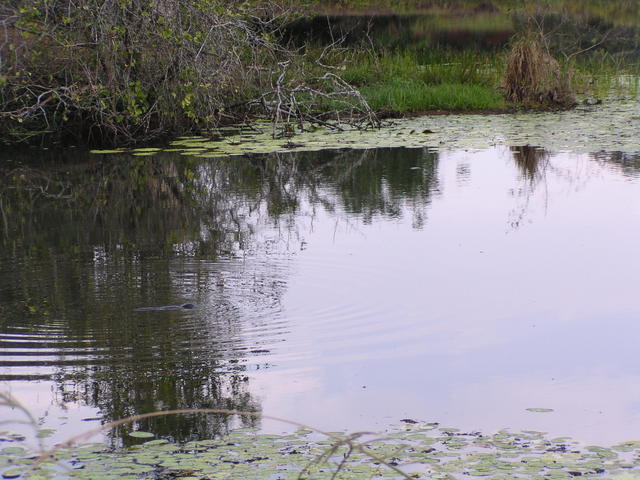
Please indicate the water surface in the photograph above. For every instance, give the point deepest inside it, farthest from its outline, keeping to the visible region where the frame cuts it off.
(344, 289)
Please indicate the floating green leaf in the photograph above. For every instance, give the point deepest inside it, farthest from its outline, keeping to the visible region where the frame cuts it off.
(45, 432)
(139, 434)
(12, 473)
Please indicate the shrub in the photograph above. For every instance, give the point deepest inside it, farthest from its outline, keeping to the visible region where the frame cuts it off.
(124, 71)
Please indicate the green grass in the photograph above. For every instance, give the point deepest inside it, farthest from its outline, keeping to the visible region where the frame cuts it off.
(406, 96)
(428, 66)
(427, 79)
(601, 74)
(417, 81)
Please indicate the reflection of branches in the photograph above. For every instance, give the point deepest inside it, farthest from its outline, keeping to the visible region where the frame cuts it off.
(162, 205)
(535, 166)
(37, 182)
(9, 401)
(121, 213)
(532, 162)
(627, 163)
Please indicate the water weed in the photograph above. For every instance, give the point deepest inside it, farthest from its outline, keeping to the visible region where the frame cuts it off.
(411, 449)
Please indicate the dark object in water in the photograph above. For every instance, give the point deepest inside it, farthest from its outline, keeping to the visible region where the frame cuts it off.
(185, 306)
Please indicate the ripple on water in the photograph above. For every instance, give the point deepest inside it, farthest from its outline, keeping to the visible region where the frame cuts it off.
(341, 311)
(237, 318)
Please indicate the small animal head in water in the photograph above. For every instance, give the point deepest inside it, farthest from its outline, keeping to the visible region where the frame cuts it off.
(188, 305)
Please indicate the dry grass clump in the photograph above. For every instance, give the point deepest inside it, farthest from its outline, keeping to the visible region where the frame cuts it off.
(533, 77)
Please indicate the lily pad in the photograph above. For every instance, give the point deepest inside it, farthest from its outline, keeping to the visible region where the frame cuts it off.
(146, 150)
(12, 473)
(140, 434)
(45, 432)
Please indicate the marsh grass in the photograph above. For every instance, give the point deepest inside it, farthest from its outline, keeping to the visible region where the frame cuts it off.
(428, 66)
(418, 81)
(533, 77)
(602, 74)
(405, 96)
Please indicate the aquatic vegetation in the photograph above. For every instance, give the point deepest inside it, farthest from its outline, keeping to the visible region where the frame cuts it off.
(433, 67)
(411, 81)
(411, 449)
(172, 73)
(587, 129)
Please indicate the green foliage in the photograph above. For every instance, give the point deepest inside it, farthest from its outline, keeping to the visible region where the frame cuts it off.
(128, 70)
(124, 71)
(409, 81)
(431, 67)
(414, 96)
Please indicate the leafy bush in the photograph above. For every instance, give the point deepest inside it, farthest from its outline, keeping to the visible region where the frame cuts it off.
(119, 71)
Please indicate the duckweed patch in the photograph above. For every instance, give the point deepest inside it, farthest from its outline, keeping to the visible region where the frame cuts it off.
(418, 449)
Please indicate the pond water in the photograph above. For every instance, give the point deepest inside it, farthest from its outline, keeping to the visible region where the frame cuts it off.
(346, 289)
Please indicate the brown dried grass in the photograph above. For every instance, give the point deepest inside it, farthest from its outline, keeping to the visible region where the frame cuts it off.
(533, 77)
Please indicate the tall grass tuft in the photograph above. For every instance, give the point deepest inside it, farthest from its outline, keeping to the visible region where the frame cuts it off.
(533, 77)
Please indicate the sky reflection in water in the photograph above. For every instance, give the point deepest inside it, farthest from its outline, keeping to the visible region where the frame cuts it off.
(348, 292)
(473, 318)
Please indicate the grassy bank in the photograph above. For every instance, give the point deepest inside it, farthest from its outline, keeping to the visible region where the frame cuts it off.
(129, 72)
(406, 96)
(410, 82)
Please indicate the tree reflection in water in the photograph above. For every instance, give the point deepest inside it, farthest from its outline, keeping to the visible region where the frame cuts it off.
(85, 242)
